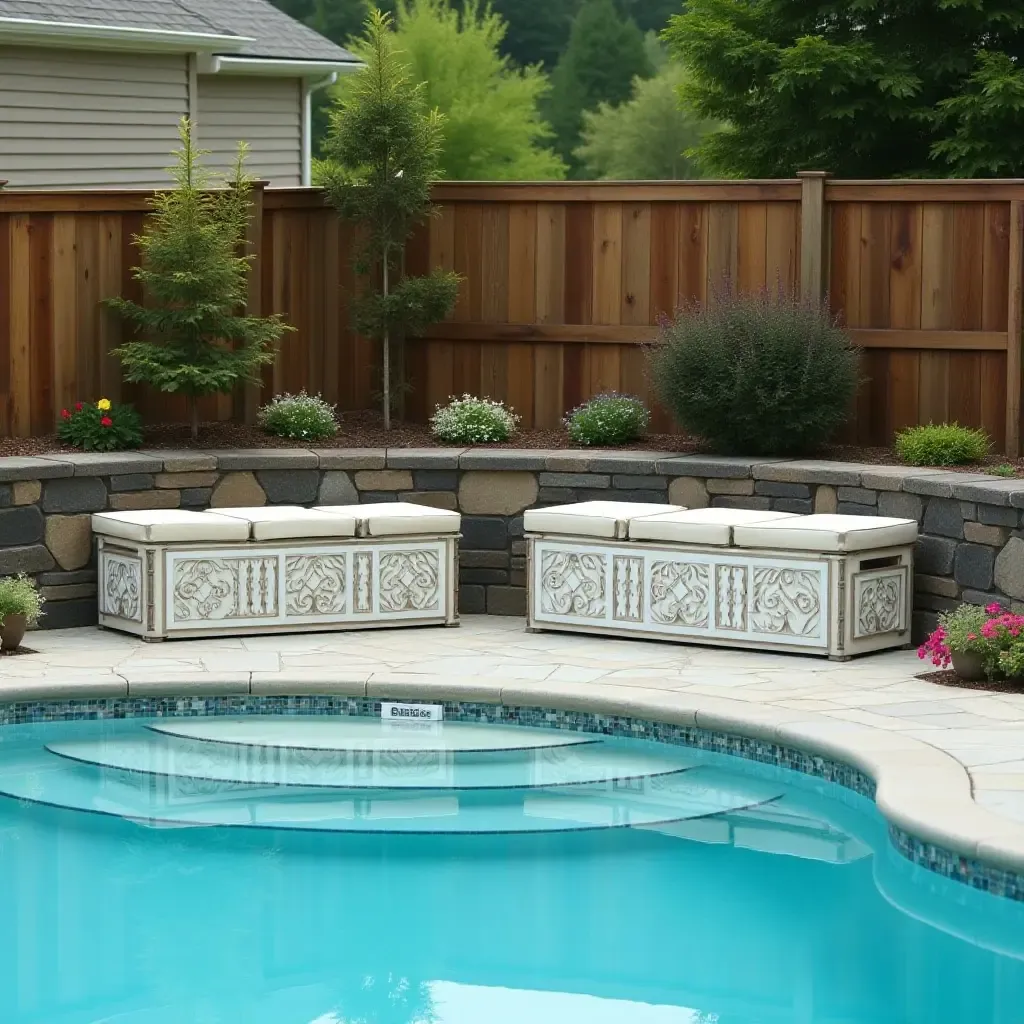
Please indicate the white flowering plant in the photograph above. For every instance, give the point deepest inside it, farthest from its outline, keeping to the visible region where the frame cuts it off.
(608, 420)
(302, 416)
(469, 420)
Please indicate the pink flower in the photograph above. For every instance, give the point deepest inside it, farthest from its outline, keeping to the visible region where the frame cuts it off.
(993, 608)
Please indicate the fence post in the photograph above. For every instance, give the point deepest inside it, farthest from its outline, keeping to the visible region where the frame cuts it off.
(1013, 329)
(254, 300)
(813, 235)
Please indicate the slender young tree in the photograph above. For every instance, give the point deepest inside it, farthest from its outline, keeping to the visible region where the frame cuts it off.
(383, 154)
(194, 272)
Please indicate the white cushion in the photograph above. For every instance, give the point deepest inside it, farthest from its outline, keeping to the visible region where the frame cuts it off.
(168, 525)
(396, 518)
(288, 522)
(827, 533)
(700, 525)
(591, 518)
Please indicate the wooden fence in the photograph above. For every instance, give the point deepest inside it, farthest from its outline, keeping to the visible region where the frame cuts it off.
(563, 285)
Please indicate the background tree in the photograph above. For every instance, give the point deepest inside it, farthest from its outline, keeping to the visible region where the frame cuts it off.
(871, 89)
(648, 136)
(538, 30)
(492, 125)
(194, 274)
(604, 55)
(383, 154)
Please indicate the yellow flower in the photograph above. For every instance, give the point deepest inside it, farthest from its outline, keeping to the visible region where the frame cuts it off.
(103, 404)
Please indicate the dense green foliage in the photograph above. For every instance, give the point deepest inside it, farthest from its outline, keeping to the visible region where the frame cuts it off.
(605, 54)
(942, 444)
(194, 340)
(20, 596)
(492, 125)
(383, 153)
(469, 420)
(648, 136)
(608, 420)
(304, 417)
(100, 426)
(869, 89)
(761, 374)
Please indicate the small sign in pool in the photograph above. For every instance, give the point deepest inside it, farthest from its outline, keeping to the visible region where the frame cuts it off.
(411, 712)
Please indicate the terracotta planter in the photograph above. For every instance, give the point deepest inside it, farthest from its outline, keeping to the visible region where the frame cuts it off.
(12, 631)
(968, 665)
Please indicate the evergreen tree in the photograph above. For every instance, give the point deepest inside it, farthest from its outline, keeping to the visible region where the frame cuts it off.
(194, 340)
(650, 15)
(492, 125)
(604, 55)
(648, 136)
(866, 90)
(383, 155)
(538, 30)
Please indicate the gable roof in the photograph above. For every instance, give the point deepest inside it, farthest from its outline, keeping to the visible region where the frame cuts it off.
(263, 31)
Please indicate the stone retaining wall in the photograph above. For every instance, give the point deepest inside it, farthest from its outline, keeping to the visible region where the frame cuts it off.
(972, 530)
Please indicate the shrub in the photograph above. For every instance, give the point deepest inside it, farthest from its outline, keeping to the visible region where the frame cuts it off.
(469, 420)
(100, 426)
(761, 374)
(1004, 469)
(308, 417)
(19, 596)
(941, 444)
(608, 419)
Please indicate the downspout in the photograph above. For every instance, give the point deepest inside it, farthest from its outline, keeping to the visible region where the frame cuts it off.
(309, 86)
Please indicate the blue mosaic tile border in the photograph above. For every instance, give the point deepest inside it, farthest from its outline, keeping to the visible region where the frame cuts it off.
(966, 870)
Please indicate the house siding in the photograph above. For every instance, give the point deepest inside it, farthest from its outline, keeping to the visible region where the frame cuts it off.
(264, 112)
(85, 119)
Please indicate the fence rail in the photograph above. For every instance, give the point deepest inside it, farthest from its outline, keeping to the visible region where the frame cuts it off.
(563, 285)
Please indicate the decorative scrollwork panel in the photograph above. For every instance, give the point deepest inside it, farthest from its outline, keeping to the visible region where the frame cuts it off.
(786, 602)
(628, 575)
(731, 594)
(315, 584)
(122, 587)
(409, 581)
(681, 594)
(573, 583)
(878, 603)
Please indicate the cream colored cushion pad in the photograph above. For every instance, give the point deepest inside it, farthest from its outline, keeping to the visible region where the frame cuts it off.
(288, 522)
(168, 526)
(711, 526)
(591, 518)
(396, 518)
(827, 533)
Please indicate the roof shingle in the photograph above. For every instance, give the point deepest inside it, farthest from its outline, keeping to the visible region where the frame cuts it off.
(275, 34)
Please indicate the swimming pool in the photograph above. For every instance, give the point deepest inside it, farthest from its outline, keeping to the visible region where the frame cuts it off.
(305, 870)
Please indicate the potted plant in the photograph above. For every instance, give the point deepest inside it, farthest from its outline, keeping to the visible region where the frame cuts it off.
(21, 604)
(979, 643)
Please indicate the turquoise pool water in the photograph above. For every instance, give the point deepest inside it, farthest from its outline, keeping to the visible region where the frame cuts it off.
(311, 871)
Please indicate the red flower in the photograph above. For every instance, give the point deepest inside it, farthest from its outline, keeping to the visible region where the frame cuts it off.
(106, 422)
(64, 414)
(78, 406)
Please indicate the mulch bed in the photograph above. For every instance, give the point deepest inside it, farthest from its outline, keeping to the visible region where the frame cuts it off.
(947, 677)
(366, 430)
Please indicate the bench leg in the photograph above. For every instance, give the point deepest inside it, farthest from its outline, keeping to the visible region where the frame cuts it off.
(153, 639)
(839, 657)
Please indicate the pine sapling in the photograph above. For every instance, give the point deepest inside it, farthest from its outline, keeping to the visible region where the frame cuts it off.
(383, 154)
(193, 336)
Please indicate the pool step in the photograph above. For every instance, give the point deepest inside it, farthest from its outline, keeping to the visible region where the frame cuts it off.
(524, 768)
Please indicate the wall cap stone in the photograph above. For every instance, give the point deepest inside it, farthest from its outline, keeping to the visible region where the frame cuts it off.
(992, 491)
(810, 471)
(505, 458)
(351, 458)
(726, 467)
(424, 458)
(265, 458)
(111, 463)
(19, 468)
(891, 478)
(940, 482)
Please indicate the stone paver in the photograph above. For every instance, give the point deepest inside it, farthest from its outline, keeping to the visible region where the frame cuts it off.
(983, 731)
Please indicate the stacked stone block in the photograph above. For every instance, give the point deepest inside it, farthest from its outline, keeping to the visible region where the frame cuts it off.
(971, 546)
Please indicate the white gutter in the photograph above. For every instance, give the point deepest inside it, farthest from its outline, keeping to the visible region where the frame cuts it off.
(72, 33)
(220, 64)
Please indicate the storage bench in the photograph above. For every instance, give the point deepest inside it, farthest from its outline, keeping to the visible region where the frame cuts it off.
(170, 572)
(834, 585)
